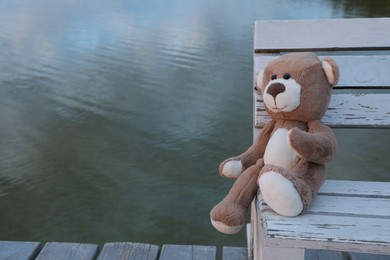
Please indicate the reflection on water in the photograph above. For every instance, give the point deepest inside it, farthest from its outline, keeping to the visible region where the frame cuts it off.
(115, 115)
(363, 8)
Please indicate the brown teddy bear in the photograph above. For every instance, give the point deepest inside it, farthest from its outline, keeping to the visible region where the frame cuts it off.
(287, 160)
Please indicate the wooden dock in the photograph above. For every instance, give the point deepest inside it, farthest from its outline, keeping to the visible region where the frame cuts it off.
(12, 250)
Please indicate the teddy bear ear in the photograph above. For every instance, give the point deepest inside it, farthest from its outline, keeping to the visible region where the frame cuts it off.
(259, 81)
(331, 70)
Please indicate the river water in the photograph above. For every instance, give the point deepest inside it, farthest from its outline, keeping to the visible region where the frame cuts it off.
(114, 115)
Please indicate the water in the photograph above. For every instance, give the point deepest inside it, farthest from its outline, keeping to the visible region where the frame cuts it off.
(114, 115)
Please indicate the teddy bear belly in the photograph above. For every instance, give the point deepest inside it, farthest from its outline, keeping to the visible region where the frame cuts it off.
(278, 151)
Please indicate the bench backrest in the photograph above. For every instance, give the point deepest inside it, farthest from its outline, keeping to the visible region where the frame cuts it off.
(361, 48)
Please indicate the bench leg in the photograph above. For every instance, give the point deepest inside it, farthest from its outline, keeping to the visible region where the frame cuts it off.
(262, 252)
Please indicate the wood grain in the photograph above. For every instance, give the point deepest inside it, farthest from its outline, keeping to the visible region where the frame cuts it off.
(14, 250)
(350, 234)
(234, 253)
(362, 71)
(187, 252)
(67, 251)
(127, 251)
(345, 110)
(354, 220)
(374, 189)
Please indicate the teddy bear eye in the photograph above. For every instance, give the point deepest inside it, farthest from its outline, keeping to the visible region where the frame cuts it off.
(286, 76)
(273, 77)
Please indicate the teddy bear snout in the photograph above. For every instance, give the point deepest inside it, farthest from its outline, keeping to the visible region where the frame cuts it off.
(275, 89)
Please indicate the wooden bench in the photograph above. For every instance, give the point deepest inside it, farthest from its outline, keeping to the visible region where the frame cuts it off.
(350, 216)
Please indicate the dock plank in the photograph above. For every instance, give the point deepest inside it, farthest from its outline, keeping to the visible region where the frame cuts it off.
(234, 253)
(126, 250)
(68, 251)
(15, 250)
(311, 254)
(188, 252)
(363, 256)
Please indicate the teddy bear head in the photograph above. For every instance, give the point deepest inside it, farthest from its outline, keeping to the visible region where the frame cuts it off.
(297, 86)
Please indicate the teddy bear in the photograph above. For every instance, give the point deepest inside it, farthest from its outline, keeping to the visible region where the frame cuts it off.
(287, 160)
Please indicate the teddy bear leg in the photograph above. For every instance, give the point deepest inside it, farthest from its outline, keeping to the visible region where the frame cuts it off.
(229, 215)
(280, 194)
(290, 193)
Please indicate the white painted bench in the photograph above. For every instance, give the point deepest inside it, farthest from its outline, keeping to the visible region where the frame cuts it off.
(346, 216)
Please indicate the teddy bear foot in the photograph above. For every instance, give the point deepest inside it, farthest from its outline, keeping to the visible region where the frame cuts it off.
(232, 169)
(228, 217)
(280, 194)
(223, 228)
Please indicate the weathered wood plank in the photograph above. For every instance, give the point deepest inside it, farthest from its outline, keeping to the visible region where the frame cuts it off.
(330, 226)
(363, 71)
(332, 34)
(356, 188)
(263, 252)
(353, 206)
(249, 238)
(127, 251)
(353, 219)
(311, 254)
(67, 251)
(15, 250)
(234, 253)
(187, 252)
(345, 110)
(341, 233)
(363, 256)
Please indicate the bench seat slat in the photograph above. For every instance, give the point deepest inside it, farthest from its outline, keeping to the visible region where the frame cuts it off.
(363, 71)
(328, 228)
(345, 110)
(351, 234)
(348, 206)
(346, 216)
(334, 34)
(356, 188)
(354, 206)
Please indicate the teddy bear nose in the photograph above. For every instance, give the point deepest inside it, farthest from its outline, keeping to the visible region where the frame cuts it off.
(275, 89)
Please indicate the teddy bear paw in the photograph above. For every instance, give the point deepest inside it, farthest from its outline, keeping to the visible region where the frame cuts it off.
(228, 217)
(280, 194)
(232, 169)
(226, 229)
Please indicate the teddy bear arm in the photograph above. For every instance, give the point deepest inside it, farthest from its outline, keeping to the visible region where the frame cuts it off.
(318, 145)
(326, 139)
(234, 166)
